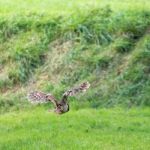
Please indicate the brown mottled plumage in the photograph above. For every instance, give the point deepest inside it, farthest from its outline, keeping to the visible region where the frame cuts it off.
(61, 106)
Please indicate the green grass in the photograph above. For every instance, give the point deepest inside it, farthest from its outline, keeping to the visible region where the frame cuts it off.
(65, 6)
(54, 47)
(92, 129)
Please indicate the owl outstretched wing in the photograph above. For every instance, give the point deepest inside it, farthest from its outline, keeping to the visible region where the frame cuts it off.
(61, 106)
(79, 89)
(40, 97)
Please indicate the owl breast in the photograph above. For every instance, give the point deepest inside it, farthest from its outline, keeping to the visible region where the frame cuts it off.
(66, 108)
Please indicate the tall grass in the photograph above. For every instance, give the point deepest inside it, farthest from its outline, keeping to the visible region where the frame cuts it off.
(108, 46)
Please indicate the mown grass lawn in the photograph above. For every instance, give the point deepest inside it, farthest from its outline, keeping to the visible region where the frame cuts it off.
(55, 7)
(117, 129)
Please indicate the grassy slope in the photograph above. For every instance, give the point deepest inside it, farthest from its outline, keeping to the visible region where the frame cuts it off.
(104, 45)
(114, 129)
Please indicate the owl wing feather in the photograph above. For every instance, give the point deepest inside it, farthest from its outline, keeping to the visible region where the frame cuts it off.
(40, 97)
(79, 89)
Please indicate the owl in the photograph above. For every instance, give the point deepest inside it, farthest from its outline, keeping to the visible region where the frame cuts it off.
(61, 106)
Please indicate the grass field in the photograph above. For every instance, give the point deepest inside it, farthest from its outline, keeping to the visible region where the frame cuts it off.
(66, 6)
(85, 129)
(53, 45)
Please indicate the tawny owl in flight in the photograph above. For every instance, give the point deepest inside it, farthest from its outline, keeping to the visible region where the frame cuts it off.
(61, 106)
